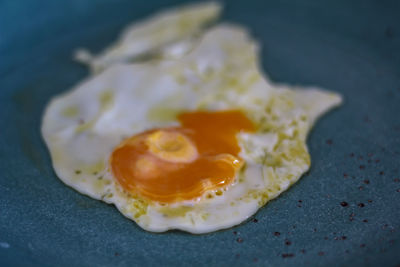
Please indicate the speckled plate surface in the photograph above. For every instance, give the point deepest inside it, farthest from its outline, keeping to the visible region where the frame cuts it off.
(344, 212)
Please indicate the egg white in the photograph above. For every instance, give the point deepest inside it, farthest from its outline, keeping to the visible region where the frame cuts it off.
(169, 33)
(82, 127)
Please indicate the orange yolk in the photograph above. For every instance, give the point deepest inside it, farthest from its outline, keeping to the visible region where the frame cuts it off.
(181, 163)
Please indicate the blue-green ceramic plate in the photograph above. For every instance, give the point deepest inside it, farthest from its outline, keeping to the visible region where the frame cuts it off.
(352, 47)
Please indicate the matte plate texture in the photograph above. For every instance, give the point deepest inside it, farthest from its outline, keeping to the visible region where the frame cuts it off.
(351, 47)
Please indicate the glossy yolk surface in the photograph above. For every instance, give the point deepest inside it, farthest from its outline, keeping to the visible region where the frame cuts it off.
(181, 163)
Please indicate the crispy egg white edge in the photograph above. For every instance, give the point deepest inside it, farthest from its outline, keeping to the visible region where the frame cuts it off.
(169, 33)
(189, 222)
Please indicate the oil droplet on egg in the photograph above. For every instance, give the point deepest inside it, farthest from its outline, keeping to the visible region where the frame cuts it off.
(182, 163)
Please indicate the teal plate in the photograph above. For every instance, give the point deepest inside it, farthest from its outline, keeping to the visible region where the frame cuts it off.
(351, 47)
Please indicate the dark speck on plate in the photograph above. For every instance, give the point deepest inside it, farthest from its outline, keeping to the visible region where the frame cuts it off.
(344, 204)
(329, 141)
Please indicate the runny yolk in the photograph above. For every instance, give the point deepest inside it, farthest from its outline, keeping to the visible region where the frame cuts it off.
(181, 163)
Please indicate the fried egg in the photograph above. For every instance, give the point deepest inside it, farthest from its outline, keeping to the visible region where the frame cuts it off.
(198, 142)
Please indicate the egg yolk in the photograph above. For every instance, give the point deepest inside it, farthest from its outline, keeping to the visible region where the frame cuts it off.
(181, 163)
